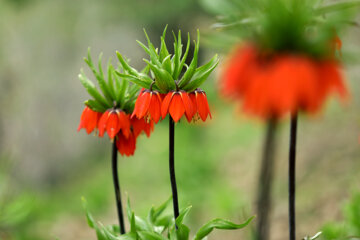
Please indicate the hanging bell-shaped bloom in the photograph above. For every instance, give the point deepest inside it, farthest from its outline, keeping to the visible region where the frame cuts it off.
(126, 145)
(112, 121)
(200, 104)
(89, 120)
(148, 105)
(177, 103)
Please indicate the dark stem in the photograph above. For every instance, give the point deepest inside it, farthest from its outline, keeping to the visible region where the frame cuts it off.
(292, 165)
(172, 166)
(117, 187)
(265, 183)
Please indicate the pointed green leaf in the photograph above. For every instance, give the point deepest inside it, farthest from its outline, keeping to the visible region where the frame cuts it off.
(183, 213)
(219, 224)
(192, 68)
(110, 73)
(99, 76)
(337, 6)
(201, 74)
(134, 80)
(94, 105)
(179, 69)
(90, 87)
(89, 217)
(150, 236)
(163, 79)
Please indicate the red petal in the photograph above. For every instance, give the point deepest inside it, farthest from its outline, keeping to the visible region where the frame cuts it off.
(166, 103)
(202, 105)
(113, 125)
(126, 146)
(142, 104)
(189, 108)
(124, 123)
(176, 108)
(155, 107)
(102, 123)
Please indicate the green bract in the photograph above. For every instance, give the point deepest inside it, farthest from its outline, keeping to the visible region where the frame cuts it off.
(159, 226)
(169, 71)
(114, 92)
(300, 26)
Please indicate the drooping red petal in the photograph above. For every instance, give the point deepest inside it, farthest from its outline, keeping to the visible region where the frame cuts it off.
(202, 105)
(142, 104)
(113, 124)
(155, 107)
(188, 105)
(102, 123)
(166, 103)
(124, 123)
(176, 108)
(126, 145)
(83, 119)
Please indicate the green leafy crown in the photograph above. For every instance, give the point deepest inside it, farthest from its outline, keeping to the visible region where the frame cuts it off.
(169, 71)
(114, 92)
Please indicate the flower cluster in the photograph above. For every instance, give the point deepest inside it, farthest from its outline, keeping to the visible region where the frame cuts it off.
(173, 90)
(152, 105)
(275, 84)
(114, 120)
(287, 61)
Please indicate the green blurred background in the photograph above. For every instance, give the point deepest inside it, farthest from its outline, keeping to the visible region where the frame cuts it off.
(46, 166)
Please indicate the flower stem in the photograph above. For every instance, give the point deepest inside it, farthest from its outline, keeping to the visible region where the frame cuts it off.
(292, 165)
(117, 187)
(172, 167)
(265, 182)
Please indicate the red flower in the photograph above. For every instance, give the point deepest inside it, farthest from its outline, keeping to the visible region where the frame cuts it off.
(89, 120)
(177, 104)
(140, 125)
(148, 105)
(273, 85)
(200, 104)
(126, 145)
(112, 121)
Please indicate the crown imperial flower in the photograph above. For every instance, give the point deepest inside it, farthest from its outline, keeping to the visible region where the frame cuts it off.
(168, 92)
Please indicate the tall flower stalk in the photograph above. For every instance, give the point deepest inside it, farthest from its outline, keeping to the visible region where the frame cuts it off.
(114, 165)
(172, 166)
(109, 112)
(265, 181)
(170, 89)
(292, 175)
(287, 63)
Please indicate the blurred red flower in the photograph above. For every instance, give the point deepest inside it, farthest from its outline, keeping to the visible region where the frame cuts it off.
(89, 120)
(272, 85)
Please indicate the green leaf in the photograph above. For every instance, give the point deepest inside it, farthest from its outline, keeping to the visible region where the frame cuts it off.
(338, 6)
(155, 213)
(219, 224)
(163, 79)
(90, 87)
(167, 65)
(192, 68)
(110, 72)
(154, 57)
(99, 76)
(126, 66)
(179, 69)
(89, 217)
(183, 213)
(163, 49)
(135, 80)
(182, 232)
(94, 105)
(150, 236)
(201, 74)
